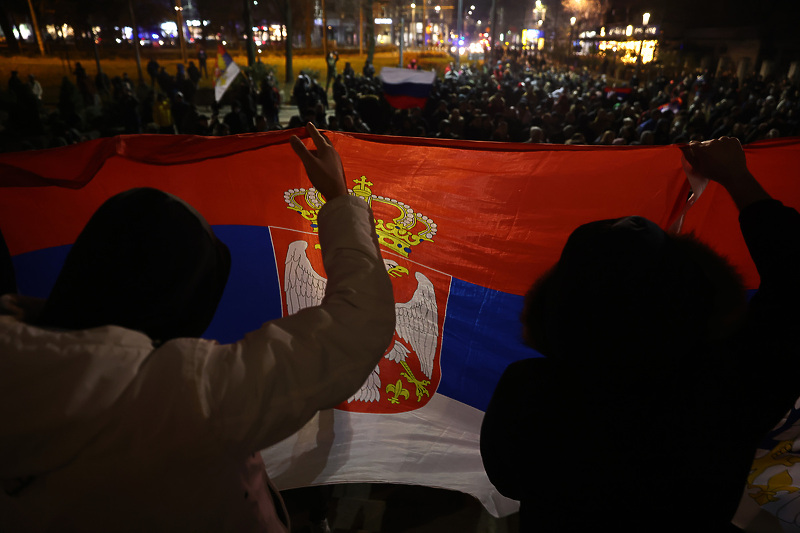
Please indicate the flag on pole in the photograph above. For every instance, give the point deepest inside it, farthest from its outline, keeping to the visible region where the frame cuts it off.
(464, 228)
(226, 72)
(405, 88)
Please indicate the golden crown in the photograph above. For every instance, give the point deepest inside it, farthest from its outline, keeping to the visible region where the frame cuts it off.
(399, 235)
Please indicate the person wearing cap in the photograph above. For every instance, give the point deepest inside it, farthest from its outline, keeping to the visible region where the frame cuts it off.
(115, 415)
(659, 380)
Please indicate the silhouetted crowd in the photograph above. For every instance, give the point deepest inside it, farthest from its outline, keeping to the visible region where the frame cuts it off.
(529, 101)
(516, 99)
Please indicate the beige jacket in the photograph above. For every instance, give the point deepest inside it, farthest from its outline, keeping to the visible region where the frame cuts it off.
(101, 431)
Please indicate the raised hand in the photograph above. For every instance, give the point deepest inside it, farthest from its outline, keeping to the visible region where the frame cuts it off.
(723, 161)
(323, 165)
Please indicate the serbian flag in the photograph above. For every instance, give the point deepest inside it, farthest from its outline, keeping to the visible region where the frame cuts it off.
(465, 228)
(405, 88)
(225, 72)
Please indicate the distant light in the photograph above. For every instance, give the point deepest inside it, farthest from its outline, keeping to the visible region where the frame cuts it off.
(646, 19)
(119, 41)
(629, 30)
(224, 43)
(383, 21)
(572, 20)
(413, 6)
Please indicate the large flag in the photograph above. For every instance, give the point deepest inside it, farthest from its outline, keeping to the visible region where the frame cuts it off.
(225, 72)
(405, 88)
(465, 228)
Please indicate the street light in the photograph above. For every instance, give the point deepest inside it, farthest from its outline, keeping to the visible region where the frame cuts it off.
(413, 24)
(181, 39)
(572, 21)
(645, 19)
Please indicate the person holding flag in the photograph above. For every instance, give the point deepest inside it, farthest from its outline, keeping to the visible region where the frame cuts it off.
(659, 379)
(114, 414)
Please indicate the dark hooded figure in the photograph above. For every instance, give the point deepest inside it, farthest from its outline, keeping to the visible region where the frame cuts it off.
(147, 261)
(657, 375)
(147, 423)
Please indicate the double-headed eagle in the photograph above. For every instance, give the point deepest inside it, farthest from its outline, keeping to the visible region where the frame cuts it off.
(417, 320)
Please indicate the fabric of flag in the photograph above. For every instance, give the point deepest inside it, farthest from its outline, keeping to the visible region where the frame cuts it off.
(226, 72)
(464, 227)
(405, 88)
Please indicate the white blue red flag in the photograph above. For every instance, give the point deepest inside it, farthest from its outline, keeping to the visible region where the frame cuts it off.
(405, 88)
(224, 73)
(464, 227)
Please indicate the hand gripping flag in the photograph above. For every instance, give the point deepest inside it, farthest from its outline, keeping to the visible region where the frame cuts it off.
(405, 88)
(225, 72)
(464, 228)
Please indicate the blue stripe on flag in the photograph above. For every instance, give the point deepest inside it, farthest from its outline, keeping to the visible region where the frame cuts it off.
(37, 271)
(482, 336)
(252, 295)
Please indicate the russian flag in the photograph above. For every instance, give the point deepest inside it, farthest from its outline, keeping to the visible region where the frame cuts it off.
(464, 227)
(405, 88)
(226, 72)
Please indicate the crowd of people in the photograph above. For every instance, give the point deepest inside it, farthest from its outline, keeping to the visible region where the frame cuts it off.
(515, 99)
(531, 101)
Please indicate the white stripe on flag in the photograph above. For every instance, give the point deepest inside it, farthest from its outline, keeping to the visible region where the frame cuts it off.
(396, 76)
(435, 446)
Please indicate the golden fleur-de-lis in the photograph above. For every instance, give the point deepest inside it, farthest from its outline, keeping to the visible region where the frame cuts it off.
(780, 482)
(398, 391)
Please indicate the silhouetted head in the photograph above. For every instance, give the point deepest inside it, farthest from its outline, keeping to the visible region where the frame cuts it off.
(147, 261)
(624, 288)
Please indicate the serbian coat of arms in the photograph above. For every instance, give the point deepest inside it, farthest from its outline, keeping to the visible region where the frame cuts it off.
(409, 373)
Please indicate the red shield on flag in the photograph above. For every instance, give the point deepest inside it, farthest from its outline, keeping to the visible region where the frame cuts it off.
(409, 373)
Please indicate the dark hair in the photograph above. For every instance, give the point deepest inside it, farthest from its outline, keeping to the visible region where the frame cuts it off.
(146, 260)
(614, 294)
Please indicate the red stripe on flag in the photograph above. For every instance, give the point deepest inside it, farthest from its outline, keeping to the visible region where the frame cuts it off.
(405, 102)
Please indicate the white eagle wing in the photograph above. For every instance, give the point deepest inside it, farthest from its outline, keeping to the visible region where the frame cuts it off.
(370, 391)
(418, 324)
(303, 286)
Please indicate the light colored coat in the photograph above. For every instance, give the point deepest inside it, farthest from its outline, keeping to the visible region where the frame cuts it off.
(100, 430)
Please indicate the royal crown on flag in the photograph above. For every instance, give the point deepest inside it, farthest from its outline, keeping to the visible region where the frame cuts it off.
(399, 234)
